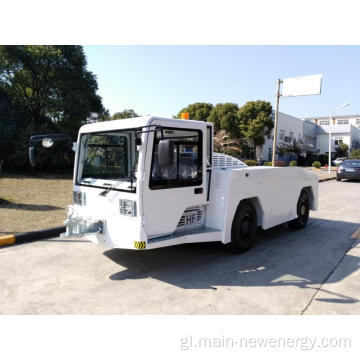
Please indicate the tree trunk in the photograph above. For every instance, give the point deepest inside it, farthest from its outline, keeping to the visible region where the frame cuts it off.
(259, 153)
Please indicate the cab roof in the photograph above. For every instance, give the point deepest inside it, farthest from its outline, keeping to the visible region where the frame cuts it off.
(131, 123)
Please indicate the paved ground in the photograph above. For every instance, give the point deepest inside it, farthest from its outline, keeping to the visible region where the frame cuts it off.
(287, 272)
(323, 173)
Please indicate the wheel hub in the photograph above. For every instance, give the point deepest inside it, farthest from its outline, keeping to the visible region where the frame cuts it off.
(302, 209)
(245, 226)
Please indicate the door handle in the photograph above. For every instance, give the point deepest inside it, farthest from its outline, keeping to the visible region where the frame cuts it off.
(198, 191)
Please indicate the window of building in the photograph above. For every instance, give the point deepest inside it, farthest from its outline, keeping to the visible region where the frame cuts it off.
(338, 141)
(324, 122)
(343, 121)
(187, 167)
(281, 134)
(291, 135)
(357, 121)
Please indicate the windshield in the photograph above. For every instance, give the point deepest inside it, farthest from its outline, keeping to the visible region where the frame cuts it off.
(351, 163)
(106, 156)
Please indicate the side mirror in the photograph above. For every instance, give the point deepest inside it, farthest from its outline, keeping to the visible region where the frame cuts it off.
(32, 156)
(47, 141)
(166, 152)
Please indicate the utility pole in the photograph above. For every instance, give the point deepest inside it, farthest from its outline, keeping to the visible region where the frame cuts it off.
(276, 120)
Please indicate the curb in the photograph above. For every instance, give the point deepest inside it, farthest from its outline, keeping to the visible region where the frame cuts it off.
(327, 179)
(31, 236)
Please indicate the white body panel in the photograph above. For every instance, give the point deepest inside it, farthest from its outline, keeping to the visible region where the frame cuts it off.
(274, 191)
(162, 209)
(159, 212)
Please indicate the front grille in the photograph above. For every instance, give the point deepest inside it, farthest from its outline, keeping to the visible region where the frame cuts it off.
(192, 217)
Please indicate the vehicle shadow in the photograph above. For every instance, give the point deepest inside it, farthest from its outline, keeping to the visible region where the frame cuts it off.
(280, 257)
(5, 204)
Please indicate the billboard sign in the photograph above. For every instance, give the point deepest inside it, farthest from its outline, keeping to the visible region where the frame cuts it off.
(302, 85)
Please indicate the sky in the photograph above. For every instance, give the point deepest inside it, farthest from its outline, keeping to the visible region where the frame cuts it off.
(161, 80)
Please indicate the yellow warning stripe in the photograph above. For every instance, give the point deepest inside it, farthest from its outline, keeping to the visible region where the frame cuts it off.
(140, 245)
(7, 240)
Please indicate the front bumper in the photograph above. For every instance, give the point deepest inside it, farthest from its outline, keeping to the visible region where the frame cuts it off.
(79, 227)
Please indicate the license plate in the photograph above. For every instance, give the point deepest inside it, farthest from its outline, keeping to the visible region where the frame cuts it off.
(350, 170)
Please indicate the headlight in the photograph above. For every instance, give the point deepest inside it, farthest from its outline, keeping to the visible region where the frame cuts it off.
(127, 207)
(79, 198)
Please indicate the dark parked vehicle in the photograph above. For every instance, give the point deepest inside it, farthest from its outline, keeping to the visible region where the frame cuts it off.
(349, 169)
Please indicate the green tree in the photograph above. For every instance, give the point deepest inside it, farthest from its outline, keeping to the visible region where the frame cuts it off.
(255, 122)
(224, 117)
(125, 114)
(43, 89)
(11, 119)
(197, 111)
(355, 154)
(342, 150)
(51, 83)
(223, 143)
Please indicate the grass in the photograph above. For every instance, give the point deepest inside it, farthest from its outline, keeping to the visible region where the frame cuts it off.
(33, 201)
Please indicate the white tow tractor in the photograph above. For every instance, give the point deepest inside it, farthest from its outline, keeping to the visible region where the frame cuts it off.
(149, 182)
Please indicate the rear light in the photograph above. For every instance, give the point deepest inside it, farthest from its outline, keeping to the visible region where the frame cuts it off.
(79, 198)
(340, 170)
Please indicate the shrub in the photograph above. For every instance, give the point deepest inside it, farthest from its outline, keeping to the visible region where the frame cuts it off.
(251, 163)
(310, 158)
(277, 163)
(293, 163)
(355, 154)
(323, 159)
(316, 164)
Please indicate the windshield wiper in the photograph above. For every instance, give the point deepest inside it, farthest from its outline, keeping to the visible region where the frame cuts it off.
(131, 177)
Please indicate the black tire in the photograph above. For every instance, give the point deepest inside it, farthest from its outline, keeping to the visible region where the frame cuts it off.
(243, 229)
(338, 179)
(303, 209)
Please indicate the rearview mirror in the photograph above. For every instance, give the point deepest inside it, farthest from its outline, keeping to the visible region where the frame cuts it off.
(32, 156)
(166, 152)
(47, 142)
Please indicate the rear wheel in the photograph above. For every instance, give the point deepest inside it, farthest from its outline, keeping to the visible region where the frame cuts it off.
(303, 209)
(243, 230)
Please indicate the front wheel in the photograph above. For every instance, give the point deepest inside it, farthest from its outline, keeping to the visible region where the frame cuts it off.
(338, 178)
(243, 230)
(303, 209)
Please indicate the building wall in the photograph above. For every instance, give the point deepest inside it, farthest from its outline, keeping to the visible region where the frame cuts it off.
(289, 127)
(315, 133)
(323, 141)
(355, 137)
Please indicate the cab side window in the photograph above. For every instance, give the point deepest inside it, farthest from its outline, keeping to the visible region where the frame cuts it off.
(187, 167)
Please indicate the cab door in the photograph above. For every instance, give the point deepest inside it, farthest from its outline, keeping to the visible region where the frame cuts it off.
(175, 196)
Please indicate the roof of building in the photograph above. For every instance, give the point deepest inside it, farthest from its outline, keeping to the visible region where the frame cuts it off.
(333, 117)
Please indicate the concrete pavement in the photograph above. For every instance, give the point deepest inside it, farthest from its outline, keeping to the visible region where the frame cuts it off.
(286, 272)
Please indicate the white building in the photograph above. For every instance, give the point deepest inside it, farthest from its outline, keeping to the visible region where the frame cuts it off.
(313, 133)
(344, 129)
